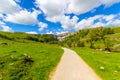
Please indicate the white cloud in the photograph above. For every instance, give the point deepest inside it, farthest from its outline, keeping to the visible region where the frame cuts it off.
(32, 32)
(68, 23)
(82, 6)
(23, 17)
(6, 28)
(1, 16)
(102, 20)
(14, 13)
(49, 32)
(42, 26)
(52, 7)
(65, 21)
(8, 6)
(109, 17)
(55, 18)
(60, 7)
(55, 12)
(2, 23)
(116, 22)
(109, 2)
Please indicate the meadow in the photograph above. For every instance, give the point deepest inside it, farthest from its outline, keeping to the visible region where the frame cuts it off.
(28, 60)
(105, 64)
(33, 57)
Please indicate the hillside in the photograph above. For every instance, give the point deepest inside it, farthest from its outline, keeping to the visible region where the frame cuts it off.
(27, 57)
(23, 37)
(97, 38)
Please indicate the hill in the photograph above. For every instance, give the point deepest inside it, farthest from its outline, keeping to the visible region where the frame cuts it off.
(23, 37)
(97, 38)
(27, 57)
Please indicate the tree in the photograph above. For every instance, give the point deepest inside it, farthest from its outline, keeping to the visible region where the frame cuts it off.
(107, 44)
(92, 37)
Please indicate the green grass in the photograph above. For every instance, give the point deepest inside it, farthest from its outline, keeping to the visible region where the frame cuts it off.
(116, 29)
(116, 35)
(43, 59)
(97, 59)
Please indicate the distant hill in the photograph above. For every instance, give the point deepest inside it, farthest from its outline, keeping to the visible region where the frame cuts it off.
(23, 37)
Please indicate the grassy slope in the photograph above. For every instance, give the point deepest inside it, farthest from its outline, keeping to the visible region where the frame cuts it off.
(45, 58)
(97, 59)
(82, 38)
(116, 29)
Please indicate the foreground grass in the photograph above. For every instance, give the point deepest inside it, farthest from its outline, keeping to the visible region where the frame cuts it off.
(42, 60)
(107, 65)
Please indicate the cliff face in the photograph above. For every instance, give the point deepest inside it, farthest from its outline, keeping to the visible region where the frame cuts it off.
(61, 37)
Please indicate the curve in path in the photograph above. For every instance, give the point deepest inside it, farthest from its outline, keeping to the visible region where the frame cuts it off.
(72, 67)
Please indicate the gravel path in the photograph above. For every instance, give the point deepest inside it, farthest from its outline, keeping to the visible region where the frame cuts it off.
(72, 67)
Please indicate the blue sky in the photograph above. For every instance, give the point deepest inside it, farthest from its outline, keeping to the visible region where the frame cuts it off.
(57, 16)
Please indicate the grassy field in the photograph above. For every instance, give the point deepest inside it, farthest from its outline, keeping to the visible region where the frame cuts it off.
(27, 61)
(106, 65)
(25, 58)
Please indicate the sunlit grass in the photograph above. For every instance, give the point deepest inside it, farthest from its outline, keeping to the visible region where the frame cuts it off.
(105, 64)
(45, 58)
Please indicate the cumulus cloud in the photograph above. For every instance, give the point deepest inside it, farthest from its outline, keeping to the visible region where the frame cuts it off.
(23, 17)
(97, 21)
(49, 32)
(1, 16)
(72, 23)
(42, 26)
(52, 7)
(55, 12)
(6, 28)
(109, 2)
(2, 23)
(82, 6)
(68, 23)
(9, 6)
(16, 14)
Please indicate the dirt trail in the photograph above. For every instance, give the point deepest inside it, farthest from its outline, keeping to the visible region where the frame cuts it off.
(72, 67)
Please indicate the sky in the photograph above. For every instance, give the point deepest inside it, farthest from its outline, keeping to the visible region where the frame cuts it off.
(57, 16)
